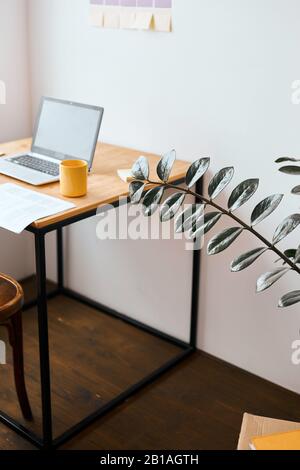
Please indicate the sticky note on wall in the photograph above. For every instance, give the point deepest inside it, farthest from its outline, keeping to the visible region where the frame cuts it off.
(143, 20)
(127, 18)
(111, 19)
(163, 21)
(163, 3)
(97, 17)
(132, 14)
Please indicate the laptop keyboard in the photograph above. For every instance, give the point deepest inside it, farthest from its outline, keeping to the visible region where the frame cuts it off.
(38, 164)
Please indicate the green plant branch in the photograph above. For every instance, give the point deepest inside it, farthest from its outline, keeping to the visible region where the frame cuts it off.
(247, 227)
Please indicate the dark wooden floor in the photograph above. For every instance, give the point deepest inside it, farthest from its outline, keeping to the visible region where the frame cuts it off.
(199, 405)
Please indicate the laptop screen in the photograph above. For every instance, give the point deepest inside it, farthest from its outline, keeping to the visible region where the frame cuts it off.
(67, 130)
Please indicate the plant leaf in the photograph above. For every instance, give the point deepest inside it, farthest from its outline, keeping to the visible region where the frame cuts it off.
(152, 200)
(140, 169)
(245, 260)
(205, 224)
(242, 193)
(289, 299)
(297, 255)
(196, 171)
(186, 219)
(223, 240)
(286, 227)
(287, 159)
(165, 166)
(296, 190)
(265, 208)
(136, 190)
(268, 279)
(290, 170)
(210, 220)
(171, 206)
(291, 254)
(220, 181)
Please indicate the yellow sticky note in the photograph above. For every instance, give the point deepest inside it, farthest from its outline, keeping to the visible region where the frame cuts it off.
(112, 19)
(96, 16)
(163, 22)
(127, 18)
(143, 20)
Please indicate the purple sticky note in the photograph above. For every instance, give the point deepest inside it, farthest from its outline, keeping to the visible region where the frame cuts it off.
(163, 3)
(128, 3)
(145, 3)
(112, 2)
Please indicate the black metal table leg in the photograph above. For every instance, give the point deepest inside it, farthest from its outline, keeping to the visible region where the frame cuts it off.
(195, 284)
(60, 259)
(40, 255)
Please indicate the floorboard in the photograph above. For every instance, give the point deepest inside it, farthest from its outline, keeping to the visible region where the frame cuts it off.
(199, 405)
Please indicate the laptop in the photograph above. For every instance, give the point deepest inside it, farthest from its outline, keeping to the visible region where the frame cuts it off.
(64, 130)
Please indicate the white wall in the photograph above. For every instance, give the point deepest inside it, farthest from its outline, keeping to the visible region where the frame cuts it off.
(15, 116)
(219, 86)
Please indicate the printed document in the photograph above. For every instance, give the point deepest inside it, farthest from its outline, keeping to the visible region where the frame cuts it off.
(19, 207)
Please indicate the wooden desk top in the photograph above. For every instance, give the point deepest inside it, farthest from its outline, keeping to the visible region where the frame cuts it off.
(104, 185)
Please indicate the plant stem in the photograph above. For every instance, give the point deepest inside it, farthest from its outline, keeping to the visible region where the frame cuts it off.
(233, 217)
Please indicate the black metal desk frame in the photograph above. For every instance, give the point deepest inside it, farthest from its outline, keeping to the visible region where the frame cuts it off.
(47, 441)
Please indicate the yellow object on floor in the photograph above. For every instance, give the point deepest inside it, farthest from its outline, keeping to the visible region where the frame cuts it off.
(281, 441)
(260, 426)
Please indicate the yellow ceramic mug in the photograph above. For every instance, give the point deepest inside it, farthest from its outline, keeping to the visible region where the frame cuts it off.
(73, 178)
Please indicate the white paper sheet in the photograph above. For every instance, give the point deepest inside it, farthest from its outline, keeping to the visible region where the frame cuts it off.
(126, 175)
(19, 207)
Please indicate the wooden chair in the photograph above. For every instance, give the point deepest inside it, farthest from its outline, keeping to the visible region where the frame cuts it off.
(11, 303)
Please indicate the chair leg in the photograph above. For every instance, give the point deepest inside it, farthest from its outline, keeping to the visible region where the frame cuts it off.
(16, 340)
